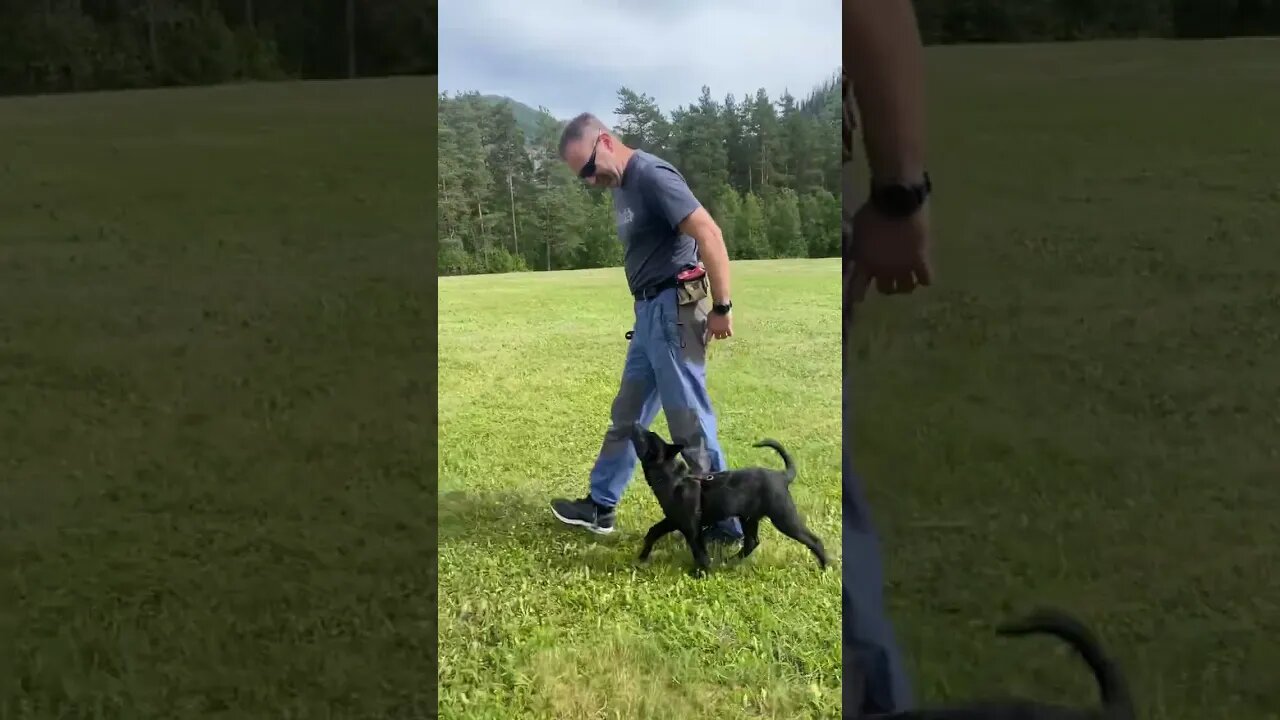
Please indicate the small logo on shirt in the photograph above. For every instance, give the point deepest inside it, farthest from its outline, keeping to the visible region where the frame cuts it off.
(625, 216)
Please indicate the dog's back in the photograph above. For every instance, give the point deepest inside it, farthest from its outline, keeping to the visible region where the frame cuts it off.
(750, 491)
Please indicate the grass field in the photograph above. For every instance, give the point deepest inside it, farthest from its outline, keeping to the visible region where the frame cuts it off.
(540, 621)
(1084, 411)
(215, 431)
(216, 492)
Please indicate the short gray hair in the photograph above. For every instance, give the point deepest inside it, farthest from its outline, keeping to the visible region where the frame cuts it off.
(578, 127)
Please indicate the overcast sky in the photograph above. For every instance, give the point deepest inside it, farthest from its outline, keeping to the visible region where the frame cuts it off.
(573, 55)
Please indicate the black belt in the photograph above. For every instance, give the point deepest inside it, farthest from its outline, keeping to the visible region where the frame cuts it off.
(653, 291)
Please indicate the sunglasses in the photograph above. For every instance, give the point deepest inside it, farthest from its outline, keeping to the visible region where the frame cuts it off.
(588, 171)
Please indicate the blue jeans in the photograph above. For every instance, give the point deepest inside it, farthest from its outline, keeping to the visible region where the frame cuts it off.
(869, 646)
(665, 368)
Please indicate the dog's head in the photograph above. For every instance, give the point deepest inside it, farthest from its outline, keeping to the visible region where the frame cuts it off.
(659, 459)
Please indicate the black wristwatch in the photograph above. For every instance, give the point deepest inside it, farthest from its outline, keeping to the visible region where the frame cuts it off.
(722, 308)
(896, 200)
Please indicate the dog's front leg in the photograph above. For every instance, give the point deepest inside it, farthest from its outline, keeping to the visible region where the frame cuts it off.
(698, 546)
(750, 537)
(660, 529)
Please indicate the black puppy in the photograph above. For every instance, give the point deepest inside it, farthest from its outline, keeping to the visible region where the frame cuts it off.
(1116, 701)
(693, 502)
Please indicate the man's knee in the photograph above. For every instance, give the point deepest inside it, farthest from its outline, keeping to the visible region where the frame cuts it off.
(628, 404)
(687, 424)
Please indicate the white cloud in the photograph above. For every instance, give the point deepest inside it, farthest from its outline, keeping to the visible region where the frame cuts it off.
(573, 55)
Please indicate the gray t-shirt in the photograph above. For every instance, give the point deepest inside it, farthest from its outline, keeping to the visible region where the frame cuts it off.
(649, 206)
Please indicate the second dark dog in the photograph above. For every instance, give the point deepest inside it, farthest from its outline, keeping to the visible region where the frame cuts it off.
(693, 502)
(1116, 701)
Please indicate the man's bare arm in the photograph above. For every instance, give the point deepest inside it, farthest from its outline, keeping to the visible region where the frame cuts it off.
(884, 58)
(715, 256)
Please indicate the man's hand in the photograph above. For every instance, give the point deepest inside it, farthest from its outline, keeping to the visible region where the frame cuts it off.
(719, 326)
(894, 252)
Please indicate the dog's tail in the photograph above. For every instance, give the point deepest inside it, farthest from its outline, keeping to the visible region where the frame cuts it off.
(1047, 621)
(786, 458)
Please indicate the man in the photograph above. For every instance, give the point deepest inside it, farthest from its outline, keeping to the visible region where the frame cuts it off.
(665, 231)
(885, 242)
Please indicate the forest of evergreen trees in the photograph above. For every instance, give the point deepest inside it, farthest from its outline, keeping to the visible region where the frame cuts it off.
(79, 45)
(69, 45)
(764, 168)
(965, 21)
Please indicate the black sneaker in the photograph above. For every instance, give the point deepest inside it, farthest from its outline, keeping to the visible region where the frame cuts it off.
(584, 513)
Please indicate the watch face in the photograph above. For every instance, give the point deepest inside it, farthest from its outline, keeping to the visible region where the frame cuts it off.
(897, 200)
(900, 200)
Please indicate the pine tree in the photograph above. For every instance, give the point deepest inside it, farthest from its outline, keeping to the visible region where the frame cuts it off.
(727, 212)
(752, 240)
(510, 169)
(782, 212)
(641, 124)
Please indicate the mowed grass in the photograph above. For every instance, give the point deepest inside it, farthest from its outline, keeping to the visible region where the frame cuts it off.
(542, 621)
(1084, 410)
(216, 492)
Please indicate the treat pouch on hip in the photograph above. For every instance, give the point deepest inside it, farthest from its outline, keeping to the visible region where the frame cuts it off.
(693, 286)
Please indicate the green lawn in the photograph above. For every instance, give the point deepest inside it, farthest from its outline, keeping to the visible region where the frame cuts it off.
(1083, 411)
(216, 492)
(542, 621)
(215, 434)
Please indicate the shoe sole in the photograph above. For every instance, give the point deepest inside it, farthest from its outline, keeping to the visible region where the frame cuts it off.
(582, 524)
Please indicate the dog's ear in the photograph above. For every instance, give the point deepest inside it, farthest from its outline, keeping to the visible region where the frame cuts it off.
(638, 436)
(674, 450)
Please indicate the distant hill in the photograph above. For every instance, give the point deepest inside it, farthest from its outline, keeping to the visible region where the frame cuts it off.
(526, 117)
(823, 101)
